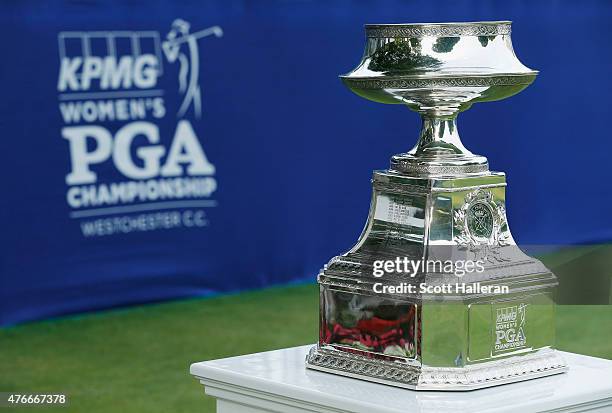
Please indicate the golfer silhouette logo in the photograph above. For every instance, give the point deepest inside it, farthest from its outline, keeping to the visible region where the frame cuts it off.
(183, 46)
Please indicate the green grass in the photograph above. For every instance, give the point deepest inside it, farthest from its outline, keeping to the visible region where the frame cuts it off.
(137, 359)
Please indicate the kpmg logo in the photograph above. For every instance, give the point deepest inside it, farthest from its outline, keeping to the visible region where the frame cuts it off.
(113, 104)
(510, 328)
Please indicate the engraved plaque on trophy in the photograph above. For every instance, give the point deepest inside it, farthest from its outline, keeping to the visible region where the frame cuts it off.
(437, 201)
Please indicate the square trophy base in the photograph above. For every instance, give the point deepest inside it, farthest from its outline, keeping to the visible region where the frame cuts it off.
(488, 374)
(486, 328)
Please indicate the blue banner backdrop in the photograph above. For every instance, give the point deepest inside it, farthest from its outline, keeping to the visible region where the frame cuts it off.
(165, 149)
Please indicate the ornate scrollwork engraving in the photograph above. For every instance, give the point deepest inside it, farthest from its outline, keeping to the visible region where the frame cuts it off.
(438, 30)
(355, 364)
(411, 83)
(406, 375)
(420, 169)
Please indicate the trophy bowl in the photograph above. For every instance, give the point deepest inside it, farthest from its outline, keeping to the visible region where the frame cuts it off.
(439, 70)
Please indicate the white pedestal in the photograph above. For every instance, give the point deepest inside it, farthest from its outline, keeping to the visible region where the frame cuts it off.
(277, 381)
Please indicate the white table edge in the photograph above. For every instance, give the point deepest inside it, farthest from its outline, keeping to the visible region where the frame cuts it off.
(220, 382)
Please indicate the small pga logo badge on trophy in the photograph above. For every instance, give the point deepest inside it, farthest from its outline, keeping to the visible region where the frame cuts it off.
(438, 200)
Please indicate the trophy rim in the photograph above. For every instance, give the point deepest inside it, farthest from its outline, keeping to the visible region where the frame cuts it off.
(441, 29)
(481, 22)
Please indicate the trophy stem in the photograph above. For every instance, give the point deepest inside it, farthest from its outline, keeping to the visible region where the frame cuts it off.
(439, 137)
(439, 151)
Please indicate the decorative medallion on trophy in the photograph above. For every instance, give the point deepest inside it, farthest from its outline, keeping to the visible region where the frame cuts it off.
(438, 202)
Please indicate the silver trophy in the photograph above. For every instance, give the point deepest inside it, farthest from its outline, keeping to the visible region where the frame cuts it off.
(437, 202)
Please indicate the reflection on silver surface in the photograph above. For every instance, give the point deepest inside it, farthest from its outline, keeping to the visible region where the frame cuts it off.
(437, 200)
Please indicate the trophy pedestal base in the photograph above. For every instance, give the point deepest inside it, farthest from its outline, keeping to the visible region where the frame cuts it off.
(543, 363)
(276, 381)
